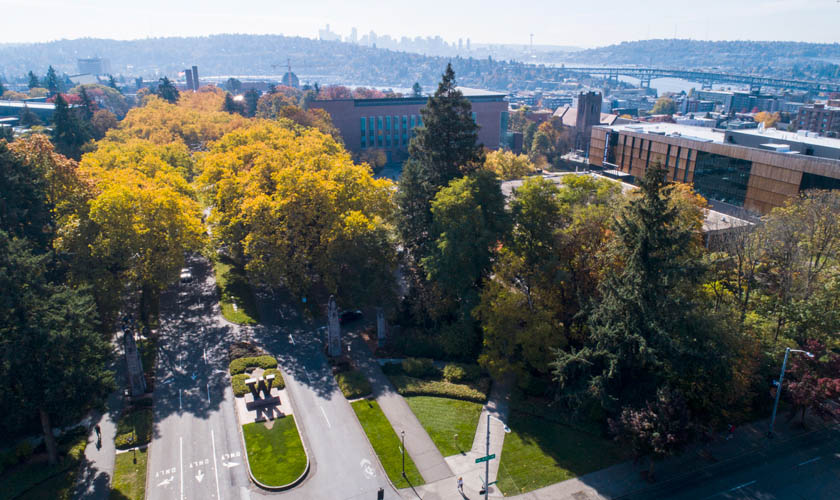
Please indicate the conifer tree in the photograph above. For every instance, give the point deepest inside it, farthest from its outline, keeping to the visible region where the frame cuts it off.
(33, 81)
(70, 132)
(167, 90)
(52, 82)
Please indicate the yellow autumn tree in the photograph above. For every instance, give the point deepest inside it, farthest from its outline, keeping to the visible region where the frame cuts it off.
(508, 165)
(291, 205)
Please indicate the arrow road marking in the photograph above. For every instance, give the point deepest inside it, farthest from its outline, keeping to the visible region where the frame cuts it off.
(166, 481)
(194, 376)
(230, 464)
(292, 339)
(199, 476)
(367, 469)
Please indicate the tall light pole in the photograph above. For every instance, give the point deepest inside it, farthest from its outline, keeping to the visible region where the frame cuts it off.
(487, 462)
(788, 350)
(402, 433)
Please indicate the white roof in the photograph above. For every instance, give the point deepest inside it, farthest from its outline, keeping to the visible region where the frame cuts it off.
(704, 134)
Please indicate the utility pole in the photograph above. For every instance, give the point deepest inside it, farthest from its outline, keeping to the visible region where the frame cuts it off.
(487, 462)
(403, 453)
(788, 350)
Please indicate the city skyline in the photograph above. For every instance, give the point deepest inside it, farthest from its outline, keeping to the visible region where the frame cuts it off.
(569, 24)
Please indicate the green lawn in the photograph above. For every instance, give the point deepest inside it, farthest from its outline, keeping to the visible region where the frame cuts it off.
(129, 478)
(234, 289)
(353, 384)
(539, 452)
(445, 418)
(386, 444)
(276, 455)
(134, 428)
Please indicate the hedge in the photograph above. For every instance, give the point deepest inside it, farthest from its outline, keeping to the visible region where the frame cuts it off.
(410, 386)
(353, 384)
(136, 424)
(458, 372)
(240, 365)
(419, 367)
(278, 377)
(240, 388)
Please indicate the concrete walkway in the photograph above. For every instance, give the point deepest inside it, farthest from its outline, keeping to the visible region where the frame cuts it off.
(422, 450)
(97, 471)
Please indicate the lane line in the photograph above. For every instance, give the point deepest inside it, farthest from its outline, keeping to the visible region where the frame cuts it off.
(180, 403)
(181, 455)
(742, 486)
(205, 355)
(808, 461)
(208, 392)
(325, 416)
(215, 466)
(292, 339)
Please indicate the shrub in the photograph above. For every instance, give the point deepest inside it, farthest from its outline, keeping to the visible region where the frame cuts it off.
(238, 383)
(410, 386)
(240, 365)
(419, 367)
(353, 384)
(278, 377)
(23, 451)
(392, 369)
(457, 372)
(7, 459)
(245, 350)
(134, 429)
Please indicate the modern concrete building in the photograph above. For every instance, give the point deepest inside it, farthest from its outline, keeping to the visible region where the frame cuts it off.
(94, 66)
(388, 124)
(749, 176)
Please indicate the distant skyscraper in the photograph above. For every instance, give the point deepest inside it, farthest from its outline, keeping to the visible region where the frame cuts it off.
(94, 66)
(354, 35)
(460, 44)
(195, 77)
(188, 74)
(468, 44)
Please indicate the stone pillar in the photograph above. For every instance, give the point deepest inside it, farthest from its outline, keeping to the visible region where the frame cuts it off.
(134, 368)
(333, 329)
(381, 327)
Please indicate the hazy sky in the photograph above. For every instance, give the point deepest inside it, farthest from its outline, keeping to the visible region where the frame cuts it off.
(561, 22)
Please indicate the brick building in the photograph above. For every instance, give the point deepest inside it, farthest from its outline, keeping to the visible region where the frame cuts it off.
(388, 124)
(821, 118)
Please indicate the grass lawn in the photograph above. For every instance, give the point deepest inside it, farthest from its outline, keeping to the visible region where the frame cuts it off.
(234, 289)
(386, 444)
(38, 479)
(539, 452)
(276, 455)
(443, 418)
(134, 428)
(353, 384)
(129, 478)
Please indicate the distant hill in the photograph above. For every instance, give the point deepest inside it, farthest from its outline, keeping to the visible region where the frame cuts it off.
(796, 59)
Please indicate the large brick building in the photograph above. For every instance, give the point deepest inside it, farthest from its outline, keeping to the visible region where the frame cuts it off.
(821, 118)
(722, 170)
(388, 124)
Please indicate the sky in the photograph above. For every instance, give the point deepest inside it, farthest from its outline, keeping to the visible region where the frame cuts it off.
(582, 23)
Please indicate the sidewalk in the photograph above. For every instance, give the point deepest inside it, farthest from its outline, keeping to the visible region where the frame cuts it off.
(420, 447)
(624, 481)
(94, 481)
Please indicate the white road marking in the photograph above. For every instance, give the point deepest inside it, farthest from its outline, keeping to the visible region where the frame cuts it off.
(230, 464)
(166, 481)
(215, 467)
(741, 486)
(199, 476)
(808, 461)
(181, 455)
(205, 355)
(325, 416)
(367, 469)
(208, 392)
(292, 339)
(180, 404)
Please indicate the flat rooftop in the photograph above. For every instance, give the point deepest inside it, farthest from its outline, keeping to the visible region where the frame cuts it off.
(772, 133)
(704, 134)
(28, 104)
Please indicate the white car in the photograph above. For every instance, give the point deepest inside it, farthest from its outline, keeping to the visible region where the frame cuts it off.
(186, 275)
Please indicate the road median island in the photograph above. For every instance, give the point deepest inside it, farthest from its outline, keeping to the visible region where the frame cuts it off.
(386, 444)
(129, 475)
(275, 453)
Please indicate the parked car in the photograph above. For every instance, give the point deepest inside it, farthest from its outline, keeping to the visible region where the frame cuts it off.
(349, 316)
(186, 275)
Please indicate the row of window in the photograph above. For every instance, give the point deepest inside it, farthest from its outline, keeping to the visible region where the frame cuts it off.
(388, 131)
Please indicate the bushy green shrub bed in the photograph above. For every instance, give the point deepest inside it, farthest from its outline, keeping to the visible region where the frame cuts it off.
(411, 386)
(419, 367)
(238, 383)
(458, 372)
(353, 384)
(241, 365)
(278, 377)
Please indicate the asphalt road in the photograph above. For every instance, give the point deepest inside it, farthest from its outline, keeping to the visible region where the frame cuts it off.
(800, 471)
(195, 451)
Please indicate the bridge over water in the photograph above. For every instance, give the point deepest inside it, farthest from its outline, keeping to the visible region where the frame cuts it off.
(706, 78)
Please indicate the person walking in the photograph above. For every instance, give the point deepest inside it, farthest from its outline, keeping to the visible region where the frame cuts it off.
(461, 485)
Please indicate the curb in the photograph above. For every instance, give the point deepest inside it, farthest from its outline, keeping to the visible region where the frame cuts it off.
(370, 447)
(284, 487)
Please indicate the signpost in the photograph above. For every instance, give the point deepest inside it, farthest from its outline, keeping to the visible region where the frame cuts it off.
(485, 458)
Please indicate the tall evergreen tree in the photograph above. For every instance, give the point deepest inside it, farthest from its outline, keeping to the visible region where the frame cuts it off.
(33, 81)
(647, 317)
(70, 132)
(24, 208)
(112, 82)
(28, 118)
(166, 90)
(87, 106)
(2, 88)
(229, 105)
(252, 97)
(52, 81)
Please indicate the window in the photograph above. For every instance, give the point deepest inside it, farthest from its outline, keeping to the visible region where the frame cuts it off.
(396, 123)
(379, 122)
(474, 117)
(722, 178)
(364, 122)
(404, 122)
(814, 181)
(364, 142)
(387, 123)
(388, 140)
(379, 140)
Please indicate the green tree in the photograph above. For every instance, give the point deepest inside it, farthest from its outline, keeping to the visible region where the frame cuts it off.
(229, 105)
(233, 85)
(416, 89)
(664, 106)
(55, 325)
(167, 91)
(33, 81)
(87, 105)
(28, 118)
(52, 82)
(252, 98)
(112, 82)
(25, 211)
(70, 132)
(2, 88)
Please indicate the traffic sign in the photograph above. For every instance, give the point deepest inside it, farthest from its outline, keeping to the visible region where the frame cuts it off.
(485, 459)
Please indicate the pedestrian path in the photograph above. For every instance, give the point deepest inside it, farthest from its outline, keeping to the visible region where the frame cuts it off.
(97, 471)
(420, 447)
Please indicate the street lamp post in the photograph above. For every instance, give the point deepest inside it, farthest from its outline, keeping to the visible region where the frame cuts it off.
(487, 462)
(402, 433)
(788, 350)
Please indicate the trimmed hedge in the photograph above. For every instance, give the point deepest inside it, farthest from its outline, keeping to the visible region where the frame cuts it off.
(419, 367)
(241, 365)
(136, 424)
(353, 384)
(240, 388)
(410, 386)
(458, 372)
(278, 377)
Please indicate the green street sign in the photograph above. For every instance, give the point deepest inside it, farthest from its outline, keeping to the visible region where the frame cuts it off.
(485, 459)
(491, 484)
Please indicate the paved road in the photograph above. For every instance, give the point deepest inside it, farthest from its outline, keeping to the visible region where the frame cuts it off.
(195, 451)
(344, 466)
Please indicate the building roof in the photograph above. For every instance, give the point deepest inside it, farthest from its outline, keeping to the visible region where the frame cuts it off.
(30, 105)
(704, 134)
(568, 115)
(772, 133)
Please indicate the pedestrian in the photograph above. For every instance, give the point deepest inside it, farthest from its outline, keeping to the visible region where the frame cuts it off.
(461, 484)
(731, 432)
(98, 432)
